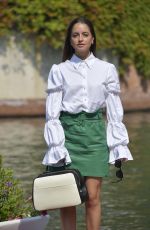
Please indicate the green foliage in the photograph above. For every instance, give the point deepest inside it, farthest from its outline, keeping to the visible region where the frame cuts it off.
(121, 26)
(12, 202)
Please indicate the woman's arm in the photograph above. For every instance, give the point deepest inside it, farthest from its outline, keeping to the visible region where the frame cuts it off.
(117, 136)
(53, 131)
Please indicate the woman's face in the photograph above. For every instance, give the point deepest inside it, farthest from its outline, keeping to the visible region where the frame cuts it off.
(81, 40)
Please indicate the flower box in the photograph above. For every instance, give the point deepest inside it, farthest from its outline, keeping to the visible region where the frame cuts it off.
(30, 223)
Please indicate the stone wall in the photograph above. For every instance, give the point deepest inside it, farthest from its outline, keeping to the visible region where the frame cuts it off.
(24, 70)
(135, 92)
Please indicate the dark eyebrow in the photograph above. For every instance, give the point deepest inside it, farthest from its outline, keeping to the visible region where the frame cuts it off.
(75, 33)
(86, 32)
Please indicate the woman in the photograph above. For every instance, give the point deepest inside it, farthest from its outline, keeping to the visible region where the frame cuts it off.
(78, 89)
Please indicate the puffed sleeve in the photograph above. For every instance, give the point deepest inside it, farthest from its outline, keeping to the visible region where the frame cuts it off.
(117, 136)
(53, 131)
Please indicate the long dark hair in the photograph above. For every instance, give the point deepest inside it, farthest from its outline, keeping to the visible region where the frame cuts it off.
(68, 50)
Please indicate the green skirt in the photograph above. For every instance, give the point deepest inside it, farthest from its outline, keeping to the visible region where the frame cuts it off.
(85, 140)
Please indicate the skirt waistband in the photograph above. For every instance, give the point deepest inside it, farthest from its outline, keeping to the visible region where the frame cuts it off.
(81, 116)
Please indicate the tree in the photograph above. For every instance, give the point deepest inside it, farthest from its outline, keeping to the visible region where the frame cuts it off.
(122, 26)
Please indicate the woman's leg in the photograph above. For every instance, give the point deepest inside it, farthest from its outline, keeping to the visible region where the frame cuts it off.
(93, 205)
(68, 218)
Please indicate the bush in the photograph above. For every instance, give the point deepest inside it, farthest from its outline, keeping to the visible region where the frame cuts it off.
(12, 202)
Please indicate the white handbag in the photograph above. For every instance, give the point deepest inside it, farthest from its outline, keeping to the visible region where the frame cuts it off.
(52, 190)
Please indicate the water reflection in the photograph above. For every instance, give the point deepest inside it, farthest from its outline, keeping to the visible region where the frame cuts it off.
(22, 147)
(125, 205)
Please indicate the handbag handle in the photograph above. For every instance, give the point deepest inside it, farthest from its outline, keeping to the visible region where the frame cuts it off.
(61, 165)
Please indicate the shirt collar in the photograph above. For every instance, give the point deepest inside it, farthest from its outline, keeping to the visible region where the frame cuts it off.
(76, 61)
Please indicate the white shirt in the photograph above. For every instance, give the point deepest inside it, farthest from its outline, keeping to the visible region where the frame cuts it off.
(84, 85)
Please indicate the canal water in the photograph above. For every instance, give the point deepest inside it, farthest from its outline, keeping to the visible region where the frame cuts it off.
(125, 205)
